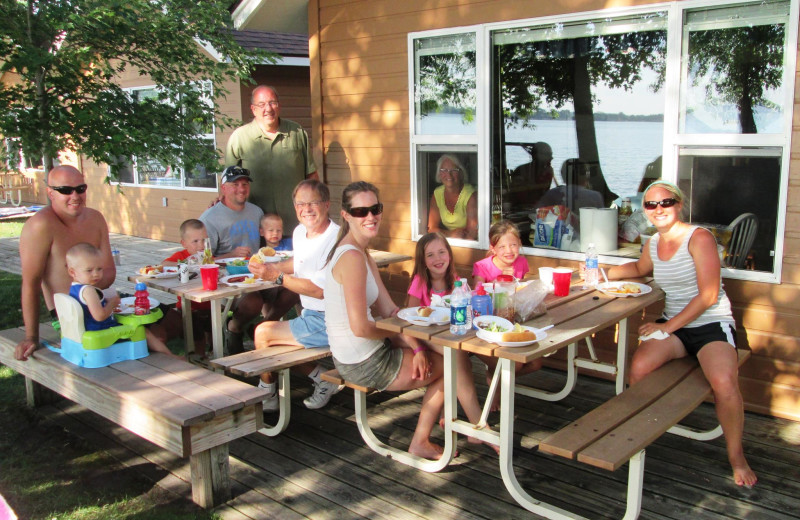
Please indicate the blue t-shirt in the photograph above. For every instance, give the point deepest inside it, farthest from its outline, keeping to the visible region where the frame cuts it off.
(89, 323)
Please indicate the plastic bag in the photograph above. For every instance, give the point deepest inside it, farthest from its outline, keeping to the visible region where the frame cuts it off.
(555, 226)
(529, 301)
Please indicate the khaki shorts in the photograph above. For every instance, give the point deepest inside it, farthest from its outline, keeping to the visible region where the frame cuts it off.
(378, 371)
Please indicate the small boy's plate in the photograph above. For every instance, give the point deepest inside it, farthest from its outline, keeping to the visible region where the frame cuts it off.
(128, 305)
(439, 316)
(624, 289)
(240, 280)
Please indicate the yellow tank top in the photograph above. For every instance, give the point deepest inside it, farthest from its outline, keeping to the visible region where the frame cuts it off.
(458, 218)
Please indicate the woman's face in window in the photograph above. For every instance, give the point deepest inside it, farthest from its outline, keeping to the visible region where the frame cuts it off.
(450, 173)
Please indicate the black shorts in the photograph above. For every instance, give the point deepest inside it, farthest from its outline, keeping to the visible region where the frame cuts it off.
(695, 338)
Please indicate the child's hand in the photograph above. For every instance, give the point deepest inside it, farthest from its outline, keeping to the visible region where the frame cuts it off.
(241, 251)
(582, 271)
(113, 302)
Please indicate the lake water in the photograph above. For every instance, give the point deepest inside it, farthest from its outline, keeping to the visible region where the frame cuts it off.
(626, 148)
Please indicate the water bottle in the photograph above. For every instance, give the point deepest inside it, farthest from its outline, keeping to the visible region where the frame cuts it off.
(481, 303)
(592, 274)
(141, 304)
(460, 319)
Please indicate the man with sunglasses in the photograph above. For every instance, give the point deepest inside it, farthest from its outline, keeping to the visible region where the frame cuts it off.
(46, 237)
(303, 274)
(276, 151)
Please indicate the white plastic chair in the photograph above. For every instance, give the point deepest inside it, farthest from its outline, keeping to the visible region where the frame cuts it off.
(743, 234)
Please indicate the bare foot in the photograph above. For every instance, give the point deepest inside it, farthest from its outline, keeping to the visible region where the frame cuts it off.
(473, 440)
(426, 450)
(744, 476)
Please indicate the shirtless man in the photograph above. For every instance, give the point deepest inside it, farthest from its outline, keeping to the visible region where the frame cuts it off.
(44, 242)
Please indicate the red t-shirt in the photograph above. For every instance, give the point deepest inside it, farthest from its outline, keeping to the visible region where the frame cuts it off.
(177, 257)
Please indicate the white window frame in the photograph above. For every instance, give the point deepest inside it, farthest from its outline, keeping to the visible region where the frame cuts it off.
(210, 137)
(673, 141)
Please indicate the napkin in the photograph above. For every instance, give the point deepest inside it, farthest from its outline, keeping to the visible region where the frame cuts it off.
(659, 334)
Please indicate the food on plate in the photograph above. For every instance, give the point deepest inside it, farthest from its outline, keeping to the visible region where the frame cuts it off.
(519, 334)
(150, 269)
(250, 279)
(626, 288)
(237, 279)
(238, 262)
(492, 327)
(266, 251)
(424, 311)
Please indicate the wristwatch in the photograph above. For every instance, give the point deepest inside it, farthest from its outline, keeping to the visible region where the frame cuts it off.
(279, 279)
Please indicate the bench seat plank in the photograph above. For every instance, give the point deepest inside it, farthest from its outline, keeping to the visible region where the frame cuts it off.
(621, 443)
(245, 393)
(251, 355)
(570, 440)
(279, 361)
(332, 376)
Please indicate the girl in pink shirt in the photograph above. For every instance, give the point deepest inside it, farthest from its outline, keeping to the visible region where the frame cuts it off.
(504, 244)
(434, 271)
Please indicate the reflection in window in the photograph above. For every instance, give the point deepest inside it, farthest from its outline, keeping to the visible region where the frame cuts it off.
(577, 116)
(448, 191)
(734, 69)
(445, 95)
(723, 185)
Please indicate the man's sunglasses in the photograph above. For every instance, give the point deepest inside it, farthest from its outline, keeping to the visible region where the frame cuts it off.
(362, 212)
(67, 190)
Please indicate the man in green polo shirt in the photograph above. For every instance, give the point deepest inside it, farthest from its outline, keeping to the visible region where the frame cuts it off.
(276, 152)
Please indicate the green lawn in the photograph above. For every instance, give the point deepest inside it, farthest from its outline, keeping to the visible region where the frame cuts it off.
(47, 472)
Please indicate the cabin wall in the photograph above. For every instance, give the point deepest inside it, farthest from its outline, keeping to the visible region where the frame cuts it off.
(359, 76)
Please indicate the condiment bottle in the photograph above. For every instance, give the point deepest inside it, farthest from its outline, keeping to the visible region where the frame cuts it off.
(141, 304)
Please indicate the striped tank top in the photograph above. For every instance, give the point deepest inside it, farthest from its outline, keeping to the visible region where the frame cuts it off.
(678, 278)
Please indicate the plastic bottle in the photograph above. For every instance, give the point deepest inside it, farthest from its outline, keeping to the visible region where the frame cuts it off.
(468, 292)
(460, 319)
(141, 304)
(592, 273)
(505, 287)
(481, 303)
(208, 257)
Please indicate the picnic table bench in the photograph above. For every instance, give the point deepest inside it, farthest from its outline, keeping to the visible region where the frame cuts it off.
(13, 182)
(279, 359)
(186, 410)
(619, 430)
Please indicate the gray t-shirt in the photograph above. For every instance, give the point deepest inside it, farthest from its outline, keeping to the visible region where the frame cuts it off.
(229, 229)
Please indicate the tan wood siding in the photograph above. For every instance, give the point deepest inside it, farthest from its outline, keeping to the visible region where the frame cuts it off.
(362, 128)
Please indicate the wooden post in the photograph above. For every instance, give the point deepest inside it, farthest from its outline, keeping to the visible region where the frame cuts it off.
(38, 395)
(211, 484)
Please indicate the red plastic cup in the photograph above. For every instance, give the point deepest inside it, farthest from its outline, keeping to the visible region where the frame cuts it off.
(562, 277)
(209, 273)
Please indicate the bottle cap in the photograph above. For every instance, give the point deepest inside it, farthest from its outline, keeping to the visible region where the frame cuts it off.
(505, 278)
(140, 286)
(481, 290)
(457, 283)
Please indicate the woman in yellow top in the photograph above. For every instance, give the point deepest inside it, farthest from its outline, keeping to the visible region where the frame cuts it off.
(454, 205)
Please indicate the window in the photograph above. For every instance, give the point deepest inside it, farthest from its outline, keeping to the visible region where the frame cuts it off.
(585, 110)
(148, 171)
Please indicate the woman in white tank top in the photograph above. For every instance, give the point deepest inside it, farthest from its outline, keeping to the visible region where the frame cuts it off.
(353, 286)
(697, 316)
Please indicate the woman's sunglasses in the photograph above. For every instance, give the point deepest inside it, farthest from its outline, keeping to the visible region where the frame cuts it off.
(666, 203)
(67, 190)
(362, 212)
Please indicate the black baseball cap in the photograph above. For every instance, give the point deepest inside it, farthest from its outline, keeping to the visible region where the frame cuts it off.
(233, 173)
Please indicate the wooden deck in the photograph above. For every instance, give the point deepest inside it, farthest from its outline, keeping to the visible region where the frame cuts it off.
(319, 468)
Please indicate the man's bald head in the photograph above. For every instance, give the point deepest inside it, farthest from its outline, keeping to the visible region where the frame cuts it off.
(64, 175)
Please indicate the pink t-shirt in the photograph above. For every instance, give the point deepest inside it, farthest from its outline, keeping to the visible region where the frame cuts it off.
(419, 290)
(488, 271)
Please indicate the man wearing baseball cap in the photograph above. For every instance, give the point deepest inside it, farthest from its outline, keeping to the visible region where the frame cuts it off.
(232, 227)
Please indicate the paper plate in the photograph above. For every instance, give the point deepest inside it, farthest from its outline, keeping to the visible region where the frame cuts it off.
(127, 305)
(237, 280)
(619, 289)
(438, 317)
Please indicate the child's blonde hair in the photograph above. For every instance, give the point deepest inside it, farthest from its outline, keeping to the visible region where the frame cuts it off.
(421, 269)
(267, 216)
(191, 223)
(500, 228)
(80, 251)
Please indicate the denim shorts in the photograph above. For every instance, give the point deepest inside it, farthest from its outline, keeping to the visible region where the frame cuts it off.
(378, 371)
(309, 329)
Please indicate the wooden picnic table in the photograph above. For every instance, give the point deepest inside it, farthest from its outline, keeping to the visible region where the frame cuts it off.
(575, 317)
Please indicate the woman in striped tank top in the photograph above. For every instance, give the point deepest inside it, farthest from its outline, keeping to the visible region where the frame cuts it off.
(697, 314)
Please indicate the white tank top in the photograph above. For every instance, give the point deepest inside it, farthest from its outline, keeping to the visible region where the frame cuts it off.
(678, 278)
(346, 347)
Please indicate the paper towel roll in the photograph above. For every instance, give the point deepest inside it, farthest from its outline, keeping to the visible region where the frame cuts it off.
(599, 227)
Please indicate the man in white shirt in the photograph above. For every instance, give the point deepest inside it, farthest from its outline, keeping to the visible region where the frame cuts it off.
(303, 274)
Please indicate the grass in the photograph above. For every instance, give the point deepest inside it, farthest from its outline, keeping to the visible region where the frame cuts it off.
(47, 472)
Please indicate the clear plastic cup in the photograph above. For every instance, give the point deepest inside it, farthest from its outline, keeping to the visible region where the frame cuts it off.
(546, 276)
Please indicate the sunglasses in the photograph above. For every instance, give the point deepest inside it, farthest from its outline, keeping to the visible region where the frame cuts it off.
(67, 190)
(362, 212)
(666, 203)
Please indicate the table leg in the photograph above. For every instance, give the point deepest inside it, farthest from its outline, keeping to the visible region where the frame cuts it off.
(216, 328)
(622, 356)
(188, 326)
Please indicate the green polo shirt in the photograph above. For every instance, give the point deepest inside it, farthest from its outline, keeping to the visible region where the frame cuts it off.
(276, 166)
